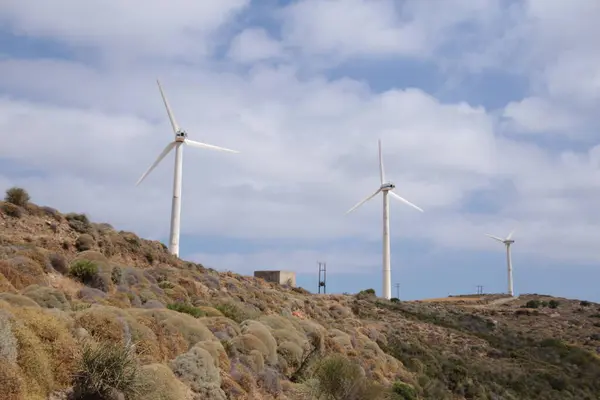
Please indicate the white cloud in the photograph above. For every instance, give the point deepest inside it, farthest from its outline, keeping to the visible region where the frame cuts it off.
(345, 29)
(254, 44)
(539, 115)
(307, 141)
(152, 27)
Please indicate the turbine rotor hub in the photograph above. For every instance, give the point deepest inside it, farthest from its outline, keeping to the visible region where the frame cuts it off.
(180, 135)
(387, 186)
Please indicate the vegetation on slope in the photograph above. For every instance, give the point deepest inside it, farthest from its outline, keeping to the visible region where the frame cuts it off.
(88, 312)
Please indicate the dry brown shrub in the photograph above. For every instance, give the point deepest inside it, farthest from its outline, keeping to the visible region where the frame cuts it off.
(18, 300)
(38, 255)
(170, 325)
(177, 293)
(222, 327)
(22, 272)
(233, 389)
(55, 339)
(159, 383)
(12, 386)
(218, 353)
(102, 323)
(260, 331)
(246, 342)
(5, 285)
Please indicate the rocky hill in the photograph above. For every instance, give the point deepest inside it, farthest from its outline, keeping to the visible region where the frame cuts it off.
(88, 312)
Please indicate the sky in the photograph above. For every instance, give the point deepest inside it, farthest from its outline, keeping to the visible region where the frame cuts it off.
(487, 111)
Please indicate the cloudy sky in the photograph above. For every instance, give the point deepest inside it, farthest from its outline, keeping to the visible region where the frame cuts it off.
(487, 110)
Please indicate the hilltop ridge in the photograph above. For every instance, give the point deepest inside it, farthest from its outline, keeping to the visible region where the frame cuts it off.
(75, 295)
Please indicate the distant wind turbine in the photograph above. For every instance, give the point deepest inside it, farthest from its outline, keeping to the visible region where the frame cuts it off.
(507, 242)
(180, 140)
(386, 187)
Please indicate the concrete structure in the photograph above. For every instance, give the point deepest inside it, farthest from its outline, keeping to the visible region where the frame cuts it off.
(280, 277)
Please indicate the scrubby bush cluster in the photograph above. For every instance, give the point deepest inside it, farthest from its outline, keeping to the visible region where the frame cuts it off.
(106, 314)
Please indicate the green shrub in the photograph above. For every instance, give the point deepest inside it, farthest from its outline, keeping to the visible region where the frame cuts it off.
(395, 300)
(116, 275)
(84, 242)
(17, 196)
(532, 304)
(234, 312)
(585, 303)
(107, 371)
(404, 391)
(79, 222)
(84, 271)
(187, 309)
(553, 304)
(337, 377)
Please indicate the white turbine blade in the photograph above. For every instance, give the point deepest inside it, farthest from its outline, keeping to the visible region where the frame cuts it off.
(171, 116)
(510, 234)
(404, 200)
(381, 171)
(158, 160)
(363, 201)
(495, 237)
(207, 146)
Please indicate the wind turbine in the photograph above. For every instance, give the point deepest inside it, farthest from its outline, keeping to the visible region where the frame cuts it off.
(386, 188)
(507, 242)
(177, 143)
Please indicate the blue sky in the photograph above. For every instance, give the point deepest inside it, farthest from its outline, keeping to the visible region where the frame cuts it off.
(487, 111)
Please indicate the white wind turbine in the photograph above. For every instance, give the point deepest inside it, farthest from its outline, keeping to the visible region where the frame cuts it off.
(386, 187)
(177, 143)
(507, 242)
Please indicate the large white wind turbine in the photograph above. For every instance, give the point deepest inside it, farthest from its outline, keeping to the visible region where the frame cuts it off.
(385, 188)
(507, 242)
(180, 140)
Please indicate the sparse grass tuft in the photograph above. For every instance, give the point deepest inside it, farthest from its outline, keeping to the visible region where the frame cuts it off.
(107, 370)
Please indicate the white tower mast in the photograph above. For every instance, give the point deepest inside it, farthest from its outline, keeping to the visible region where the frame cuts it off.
(180, 140)
(387, 188)
(507, 242)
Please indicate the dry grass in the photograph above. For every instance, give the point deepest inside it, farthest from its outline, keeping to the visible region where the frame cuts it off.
(253, 340)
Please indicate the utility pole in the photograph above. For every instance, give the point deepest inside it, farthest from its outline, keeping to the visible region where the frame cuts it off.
(479, 289)
(397, 290)
(322, 277)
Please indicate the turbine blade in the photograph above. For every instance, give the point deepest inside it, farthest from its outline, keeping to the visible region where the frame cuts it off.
(381, 171)
(207, 146)
(404, 201)
(510, 234)
(363, 201)
(162, 155)
(495, 237)
(171, 116)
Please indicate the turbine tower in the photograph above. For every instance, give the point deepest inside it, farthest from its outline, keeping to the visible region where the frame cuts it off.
(507, 242)
(177, 143)
(386, 188)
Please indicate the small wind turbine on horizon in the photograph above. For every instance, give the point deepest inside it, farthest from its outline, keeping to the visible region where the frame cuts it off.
(386, 188)
(507, 242)
(177, 143)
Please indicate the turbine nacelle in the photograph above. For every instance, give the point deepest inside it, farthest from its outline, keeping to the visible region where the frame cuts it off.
(180, 135)
(387, 186)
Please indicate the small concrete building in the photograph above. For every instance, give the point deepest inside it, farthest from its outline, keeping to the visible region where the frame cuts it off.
(280, 277)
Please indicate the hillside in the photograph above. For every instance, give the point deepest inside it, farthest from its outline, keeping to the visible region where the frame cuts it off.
(89, 312)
